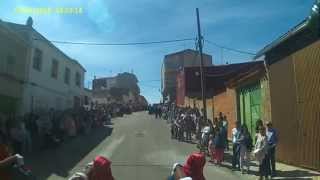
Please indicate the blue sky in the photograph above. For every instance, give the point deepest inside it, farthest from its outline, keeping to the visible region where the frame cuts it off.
(247, 25)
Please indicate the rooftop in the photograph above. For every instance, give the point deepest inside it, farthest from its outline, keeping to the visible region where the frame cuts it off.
(22, 31)
(300, 36)
(216, 77)
(185, 51)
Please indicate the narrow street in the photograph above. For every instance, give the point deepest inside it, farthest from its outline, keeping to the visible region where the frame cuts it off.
(139, 146)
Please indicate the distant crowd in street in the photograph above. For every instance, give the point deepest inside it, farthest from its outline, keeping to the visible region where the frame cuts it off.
(187, 124)
(42, 130)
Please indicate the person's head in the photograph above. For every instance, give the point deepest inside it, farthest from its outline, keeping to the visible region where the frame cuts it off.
(177, 171)
(269, 124)
(238, 124)
(101, 169)
(224, 117)
(259, 123)
(220, 114)
(244, 129)
(194, 165)
(262, 130)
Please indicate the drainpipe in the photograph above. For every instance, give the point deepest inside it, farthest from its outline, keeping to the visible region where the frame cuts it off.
(266, 67)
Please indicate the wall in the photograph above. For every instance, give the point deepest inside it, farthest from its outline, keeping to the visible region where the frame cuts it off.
(173, 62)
(192, 58)
(283, 108)
(11, 79)
(180, 89)
(44, 92)
(225, 102)
(306, 66)
(104, 83)
(295, 97)
(198, 103)
(265, 99)
(127, 98)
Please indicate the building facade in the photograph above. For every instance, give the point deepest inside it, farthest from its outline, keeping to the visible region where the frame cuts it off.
(121, 89)
(293, 70)
(52, 79)
(174, 62)
(223, 84)
(13, 50)
(104, 83)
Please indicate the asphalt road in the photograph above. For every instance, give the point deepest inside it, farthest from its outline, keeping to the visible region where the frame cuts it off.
(139, 146)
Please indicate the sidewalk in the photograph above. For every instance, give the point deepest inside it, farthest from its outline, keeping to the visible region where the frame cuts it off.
(283, 171)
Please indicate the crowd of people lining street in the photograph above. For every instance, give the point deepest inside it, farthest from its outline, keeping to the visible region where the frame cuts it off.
(187, 124)
(42, 130)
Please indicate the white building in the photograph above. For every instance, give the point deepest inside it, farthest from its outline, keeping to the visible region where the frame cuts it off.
(104, 83)
(52, 79)
(13, 50)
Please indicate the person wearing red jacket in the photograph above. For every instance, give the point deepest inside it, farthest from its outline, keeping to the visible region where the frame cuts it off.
(194, 166)
(101, 169)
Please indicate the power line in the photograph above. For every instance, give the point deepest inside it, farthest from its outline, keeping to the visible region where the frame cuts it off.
(144, 43)
(230, 49)
(118, 44)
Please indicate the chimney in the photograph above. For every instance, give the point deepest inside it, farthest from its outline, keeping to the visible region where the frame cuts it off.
(29, 22)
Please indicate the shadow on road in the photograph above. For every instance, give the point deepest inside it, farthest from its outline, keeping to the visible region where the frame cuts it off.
(61, 160)
(294, 174)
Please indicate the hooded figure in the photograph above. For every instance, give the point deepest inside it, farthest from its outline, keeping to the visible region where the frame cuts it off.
(194, 166)
(101, 169)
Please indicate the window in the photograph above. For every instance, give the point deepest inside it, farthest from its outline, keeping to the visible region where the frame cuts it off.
(86, 100)
(37, 59)
(78, 79)
(54, 69)
(10, 64)
(67, 76)
(76, 102)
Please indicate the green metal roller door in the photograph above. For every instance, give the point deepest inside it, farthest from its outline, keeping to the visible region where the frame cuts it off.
(249, 101)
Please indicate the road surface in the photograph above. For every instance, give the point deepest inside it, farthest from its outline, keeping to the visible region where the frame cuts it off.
(139, 146)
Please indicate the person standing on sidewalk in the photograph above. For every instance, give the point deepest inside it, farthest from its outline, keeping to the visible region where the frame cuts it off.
(225, 125)
(245, 141)
(236, 145)
(261, 153)
(272, 137)
(259, 123)
(219, 142)
(188, 126)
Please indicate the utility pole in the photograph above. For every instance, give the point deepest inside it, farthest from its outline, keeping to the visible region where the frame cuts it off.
(203, 85)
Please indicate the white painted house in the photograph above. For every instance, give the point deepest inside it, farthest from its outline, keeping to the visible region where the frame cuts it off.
(53, 79)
